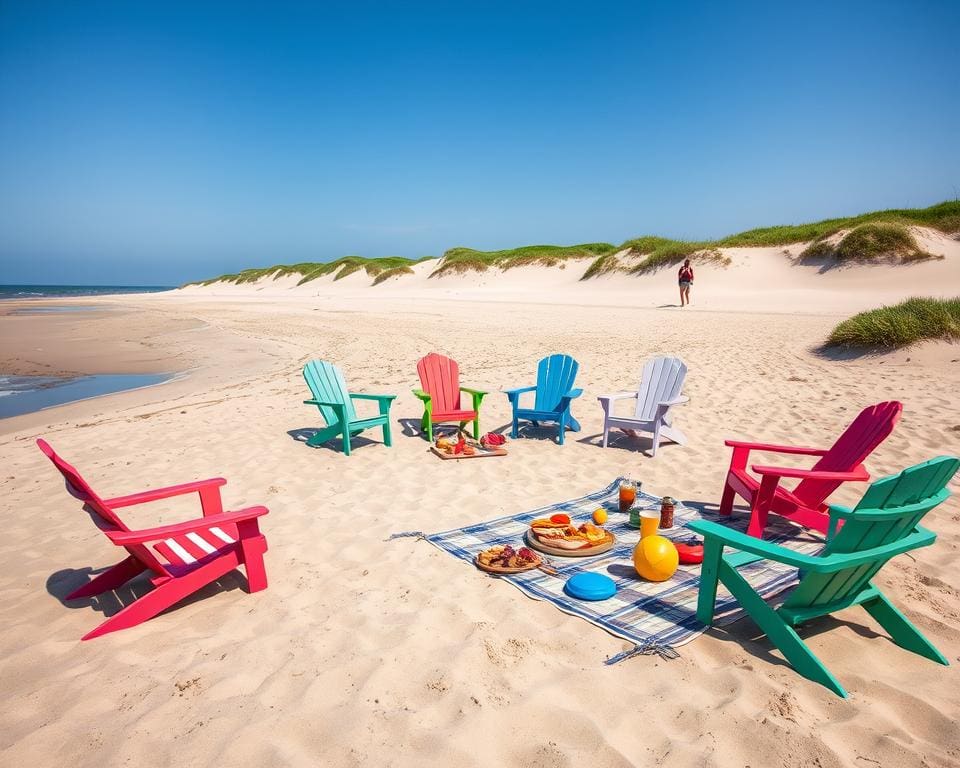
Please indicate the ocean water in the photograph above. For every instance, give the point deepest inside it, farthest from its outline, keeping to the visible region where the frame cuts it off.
(73, 291)
(26, 394)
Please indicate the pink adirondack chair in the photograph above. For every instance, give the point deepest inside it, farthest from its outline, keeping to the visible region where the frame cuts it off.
(805, 504)
(180, 558)
(441, 395)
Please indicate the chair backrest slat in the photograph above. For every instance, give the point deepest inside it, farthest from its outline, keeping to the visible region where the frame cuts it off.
(327, 384)
(102, 515)
(889, 511)
(556, 375)
(871, 427)
(440, 378)
(662, 380)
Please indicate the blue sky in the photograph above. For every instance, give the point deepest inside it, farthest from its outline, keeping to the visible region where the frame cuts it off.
(159, 143)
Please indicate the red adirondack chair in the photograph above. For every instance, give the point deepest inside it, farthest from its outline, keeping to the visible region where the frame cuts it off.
(181, 558)
(805, 504)
(440, 379)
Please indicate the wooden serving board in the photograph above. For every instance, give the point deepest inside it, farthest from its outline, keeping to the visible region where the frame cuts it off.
(506, 571)
(480, 454)
(599, 549)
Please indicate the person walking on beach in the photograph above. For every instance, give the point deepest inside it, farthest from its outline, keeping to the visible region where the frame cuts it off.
(686, 280)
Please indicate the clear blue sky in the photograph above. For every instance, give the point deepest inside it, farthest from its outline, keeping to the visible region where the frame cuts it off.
(163, 142)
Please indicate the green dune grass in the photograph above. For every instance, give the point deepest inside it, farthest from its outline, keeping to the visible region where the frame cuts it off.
(308, 271)
(651, 252)
(873, 241)
(392, 272)
(460, 260)
(899, 325)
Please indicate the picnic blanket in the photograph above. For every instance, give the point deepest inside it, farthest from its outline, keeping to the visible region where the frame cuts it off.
(657, 617)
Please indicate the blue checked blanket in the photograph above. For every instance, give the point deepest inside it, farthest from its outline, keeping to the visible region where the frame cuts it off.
(655, 616)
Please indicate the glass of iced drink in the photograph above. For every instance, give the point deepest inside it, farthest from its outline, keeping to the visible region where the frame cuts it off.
(628, 494)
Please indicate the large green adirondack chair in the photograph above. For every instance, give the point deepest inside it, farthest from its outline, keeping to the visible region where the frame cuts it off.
(859, 544)
(335, 401)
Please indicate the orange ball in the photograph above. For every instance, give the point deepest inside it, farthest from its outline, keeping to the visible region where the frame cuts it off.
(600, 516)
(655, 558)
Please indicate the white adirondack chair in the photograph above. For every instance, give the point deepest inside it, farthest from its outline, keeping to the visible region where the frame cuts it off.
(660, 385)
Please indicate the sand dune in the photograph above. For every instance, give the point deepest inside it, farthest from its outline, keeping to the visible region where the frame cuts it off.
(364, 650)
(760, 279)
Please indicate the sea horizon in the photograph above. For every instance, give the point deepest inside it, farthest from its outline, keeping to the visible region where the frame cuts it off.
(42, 291)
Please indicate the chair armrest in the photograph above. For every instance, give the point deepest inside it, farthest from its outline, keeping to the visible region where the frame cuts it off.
(746, 543)
(618, 396)
(164, 493)
(323, 402)
(573, 393)
(387, 398)
(676, 401)
(127, 538)
(518, 390)
(420, 394)
(471, 391)
(859, 474)
(775, 448)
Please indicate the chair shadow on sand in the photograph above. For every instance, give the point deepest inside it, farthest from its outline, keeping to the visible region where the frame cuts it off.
(530, 430)
(61, 583)
(642, 443)
(334, 444)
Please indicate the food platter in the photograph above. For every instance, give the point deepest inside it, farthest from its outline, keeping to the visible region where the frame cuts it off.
(481, 453)
(598, 549)
(500, 569)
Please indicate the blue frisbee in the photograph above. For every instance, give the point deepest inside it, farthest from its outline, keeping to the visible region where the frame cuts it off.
(590, 586)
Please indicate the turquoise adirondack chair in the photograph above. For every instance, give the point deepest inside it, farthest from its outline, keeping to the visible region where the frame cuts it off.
(885, 523)
(554, 393)
(335, 401)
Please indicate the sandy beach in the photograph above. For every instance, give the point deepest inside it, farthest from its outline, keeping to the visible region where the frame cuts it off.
(365, 650)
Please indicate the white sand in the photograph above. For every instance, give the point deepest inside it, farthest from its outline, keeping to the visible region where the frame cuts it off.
(364, 651)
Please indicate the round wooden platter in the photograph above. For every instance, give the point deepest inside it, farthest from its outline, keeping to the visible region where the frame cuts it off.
(599, 549)
(502, 570)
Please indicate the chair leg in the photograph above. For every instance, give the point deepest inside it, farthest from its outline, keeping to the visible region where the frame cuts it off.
(572, 423)
(709, 576)
(387, 437)
(252, 549)
(781, 634)
(114, 577)
(514, 433)
(476, 427)
(760, 505)
(656, 440)
(606, 432)
(901, 629)
(561, 427)
(726, 502)
(346, 442)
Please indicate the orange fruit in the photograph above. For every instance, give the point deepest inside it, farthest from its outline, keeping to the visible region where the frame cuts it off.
(599, 515)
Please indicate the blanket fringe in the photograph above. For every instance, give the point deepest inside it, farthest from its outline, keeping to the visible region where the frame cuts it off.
(407, 535)
(646, 648)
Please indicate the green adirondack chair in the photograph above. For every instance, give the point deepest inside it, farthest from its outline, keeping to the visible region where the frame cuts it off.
(860, 542)
(335, 401)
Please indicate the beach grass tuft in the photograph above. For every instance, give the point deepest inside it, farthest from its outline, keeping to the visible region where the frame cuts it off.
(386, 274)
(460, 260)
(871, 242)
(900, 325)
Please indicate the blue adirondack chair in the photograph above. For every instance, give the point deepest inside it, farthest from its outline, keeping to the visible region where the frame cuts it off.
(885, 523)
(554, 393)
(335, 401)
